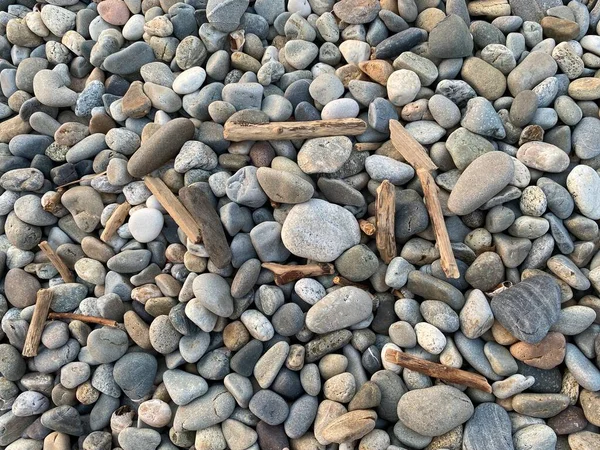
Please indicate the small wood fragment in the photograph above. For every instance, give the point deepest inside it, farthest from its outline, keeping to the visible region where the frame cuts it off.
(116, 219)
(236, 131)
(417, 157)
(341, 281)
(287, 273)
(213, 235)
(62, 268)
(366, 146)
(445, 373)
(385, 211)
(367, 227)
(82, 179)
(52, 202)
(176, 210)
(38, 320)
(83, 318)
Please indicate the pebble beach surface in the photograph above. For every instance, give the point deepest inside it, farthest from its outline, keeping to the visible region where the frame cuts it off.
(208, 351)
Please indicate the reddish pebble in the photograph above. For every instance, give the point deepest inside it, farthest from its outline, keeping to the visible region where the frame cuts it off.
(114, 12)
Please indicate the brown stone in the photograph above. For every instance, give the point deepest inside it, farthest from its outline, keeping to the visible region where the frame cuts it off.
(114, 12)
(546, 354)
(137, 329)
(571, 420)
(20, 288)
(18, 33)
(135, 103)
(71, 133)
(531, 133)
(584, 440)
(11, 128)
(590, 402)
(235, 336)
(487, 81)
(350, 426)
(559, 29)
(348, 73)
(379, 70)
(367, 397)
(586, 88)
(101, 123)
(261, 154)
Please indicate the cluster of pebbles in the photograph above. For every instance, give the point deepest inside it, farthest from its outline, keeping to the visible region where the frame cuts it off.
(210, 353)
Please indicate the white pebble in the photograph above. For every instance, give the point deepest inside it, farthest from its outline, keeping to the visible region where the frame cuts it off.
(146, 224)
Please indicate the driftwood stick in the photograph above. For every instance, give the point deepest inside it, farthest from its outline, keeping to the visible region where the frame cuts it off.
(199, 206)
(341, 281)
(287, 273)
(445, 373)
(176, 210)
(432, 202)
(367, 227)
(63, 270)
(366, 146)
(38, 320)
(386, 210)
(83, 318)
(236, 131)
(416, 156)
(116, 219)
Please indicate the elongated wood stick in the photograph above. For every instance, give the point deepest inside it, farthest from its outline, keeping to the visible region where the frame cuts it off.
(287, 273)
(386, 210)
(83, 318)
(199, 206)
(416, 156)
(63, 270)
(236, 131)
(341, 281)
(176, 210)
(116, 219)
(38, 320)
(434, 208)
(446, 373)
(366, 146)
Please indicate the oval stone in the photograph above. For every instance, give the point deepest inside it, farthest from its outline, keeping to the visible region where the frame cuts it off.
(584, 185)
(543, 156)
(481, 181)
(435, 410)
(342, 308)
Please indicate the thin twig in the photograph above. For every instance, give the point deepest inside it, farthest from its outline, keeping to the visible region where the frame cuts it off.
(38, 320)
(83, 318)
(81, 179)
(63, 270)
(287, 273)
(446, 373)
(116, 219)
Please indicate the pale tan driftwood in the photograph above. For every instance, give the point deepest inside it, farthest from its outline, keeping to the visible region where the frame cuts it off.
(385, 212)
(366, 146)
(63, 270)
(38, 320)
(116, 219)
(287, 273)
(83, 318)
(367, 226)
(236, 131)
(445, 373)
(416, 156)
(176, 210)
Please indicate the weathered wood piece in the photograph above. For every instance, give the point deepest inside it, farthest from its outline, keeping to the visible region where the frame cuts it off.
(237, 131)
(38, 320)
(385, 212)
(63, 270)
(287, 273)
(116, 219)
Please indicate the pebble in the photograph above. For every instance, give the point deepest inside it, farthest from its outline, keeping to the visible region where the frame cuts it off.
(582, 183)
(543, 299)
(435, 410)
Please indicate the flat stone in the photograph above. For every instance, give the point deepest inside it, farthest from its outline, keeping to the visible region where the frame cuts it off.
(539, 297)
(488, 429)
(342, 308)
(473, 190)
